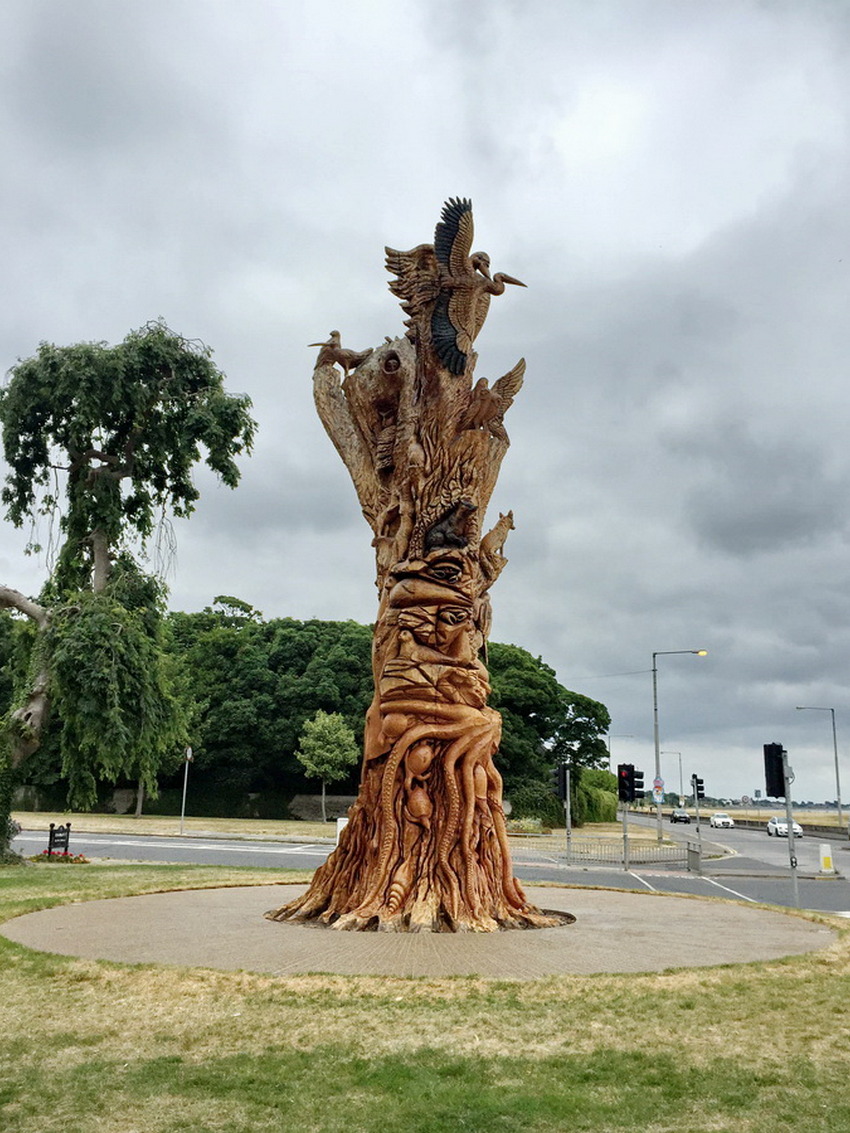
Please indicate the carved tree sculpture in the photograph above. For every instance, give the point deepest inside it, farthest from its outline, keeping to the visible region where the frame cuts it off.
(425, 848)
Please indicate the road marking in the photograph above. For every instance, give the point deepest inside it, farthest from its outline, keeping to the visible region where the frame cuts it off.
(643, 881)
(734, 892)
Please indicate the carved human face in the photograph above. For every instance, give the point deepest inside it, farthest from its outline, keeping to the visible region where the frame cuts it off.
(453, 624)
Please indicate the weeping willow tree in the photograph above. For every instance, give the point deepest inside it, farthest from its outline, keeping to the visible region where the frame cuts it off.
(426, 849)
(103, 440)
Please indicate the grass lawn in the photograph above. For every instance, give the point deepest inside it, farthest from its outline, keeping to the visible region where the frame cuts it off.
(89, 1046)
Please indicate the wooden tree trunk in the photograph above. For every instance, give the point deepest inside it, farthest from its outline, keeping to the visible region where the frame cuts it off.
(425, 848)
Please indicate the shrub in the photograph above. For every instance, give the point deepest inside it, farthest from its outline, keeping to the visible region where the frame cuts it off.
(535, 800)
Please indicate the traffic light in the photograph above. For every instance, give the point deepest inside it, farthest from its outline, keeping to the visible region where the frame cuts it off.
(629, 783)
(558, 776)
(637, 784)
(774, 772)
(625, 780)
(699, 787)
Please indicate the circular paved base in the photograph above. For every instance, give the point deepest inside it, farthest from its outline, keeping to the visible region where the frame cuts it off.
(225, 928)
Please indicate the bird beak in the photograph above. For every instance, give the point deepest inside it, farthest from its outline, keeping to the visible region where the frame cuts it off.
(309, 344)
(510, 279)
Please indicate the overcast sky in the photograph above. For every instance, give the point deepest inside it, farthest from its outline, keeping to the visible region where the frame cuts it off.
(670, 179)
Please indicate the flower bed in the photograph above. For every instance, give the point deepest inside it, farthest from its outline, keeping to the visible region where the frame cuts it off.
(60, 856)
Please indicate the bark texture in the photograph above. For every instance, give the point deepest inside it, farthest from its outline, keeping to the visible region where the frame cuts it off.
(27, 722)
(425, 848)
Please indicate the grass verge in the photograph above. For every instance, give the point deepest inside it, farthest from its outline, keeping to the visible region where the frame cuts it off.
(169, 825)
(93, 1046)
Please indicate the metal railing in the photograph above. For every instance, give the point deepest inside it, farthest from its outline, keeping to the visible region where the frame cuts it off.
(610, 852)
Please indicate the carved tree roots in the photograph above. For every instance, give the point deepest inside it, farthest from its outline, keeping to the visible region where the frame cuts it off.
(425, 848)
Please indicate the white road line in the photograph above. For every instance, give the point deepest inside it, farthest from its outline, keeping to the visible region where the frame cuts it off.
(642, 880)
(734, 892)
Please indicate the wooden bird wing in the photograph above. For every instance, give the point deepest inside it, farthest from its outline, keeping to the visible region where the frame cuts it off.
(453, 236)
(509, 385)
(460, 309)
(417, 276)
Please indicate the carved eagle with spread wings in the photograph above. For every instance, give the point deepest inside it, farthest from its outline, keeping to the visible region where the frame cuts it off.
(485, 407)
(445, 287)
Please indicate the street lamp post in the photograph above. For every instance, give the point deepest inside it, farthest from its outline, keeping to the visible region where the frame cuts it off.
(817, 708)
(662, 653)
(681, 780)
(188, 757)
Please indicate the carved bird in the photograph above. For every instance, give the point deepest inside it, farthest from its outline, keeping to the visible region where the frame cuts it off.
(446, 287)
(486, 407)
(332, 352)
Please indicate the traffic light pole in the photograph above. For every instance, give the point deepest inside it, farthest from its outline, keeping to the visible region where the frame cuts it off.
(788, 776)
(625, 836)
(568, 821)
(694, 785)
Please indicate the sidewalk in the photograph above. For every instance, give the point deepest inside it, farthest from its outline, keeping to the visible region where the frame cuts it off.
(613, 932)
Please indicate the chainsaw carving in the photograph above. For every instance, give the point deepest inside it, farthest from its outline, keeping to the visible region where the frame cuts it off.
(332, 351)
(444, 289)
(425, 848)
(486, 407)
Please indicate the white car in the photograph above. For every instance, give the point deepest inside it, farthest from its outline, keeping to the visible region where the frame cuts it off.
(721, 818)
(779, 827)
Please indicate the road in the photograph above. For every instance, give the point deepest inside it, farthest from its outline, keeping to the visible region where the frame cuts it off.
(184, 849)
(757, 870)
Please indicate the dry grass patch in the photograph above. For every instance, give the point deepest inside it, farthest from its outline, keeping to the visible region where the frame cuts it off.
(234, 1051)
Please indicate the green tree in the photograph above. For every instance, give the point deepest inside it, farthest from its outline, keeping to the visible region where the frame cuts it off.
(527, 694)
(322, 665)
(237, 727)
(123, 426)
(543, 724)
(254, 684)
(579, 737)
(327, 749)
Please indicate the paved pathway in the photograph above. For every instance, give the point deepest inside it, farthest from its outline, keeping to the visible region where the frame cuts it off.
(225, 928)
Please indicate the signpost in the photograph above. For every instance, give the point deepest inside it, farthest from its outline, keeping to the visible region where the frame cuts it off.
(58, 838)
(188, 760)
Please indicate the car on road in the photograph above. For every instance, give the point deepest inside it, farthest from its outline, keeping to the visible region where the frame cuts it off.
(721, 819)
(779, 827)
(680, 815)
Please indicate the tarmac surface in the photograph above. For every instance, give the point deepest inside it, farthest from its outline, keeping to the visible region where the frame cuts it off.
(613, 932)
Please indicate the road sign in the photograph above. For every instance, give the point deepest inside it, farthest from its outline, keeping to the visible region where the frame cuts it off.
(746, 800)
(658, 784)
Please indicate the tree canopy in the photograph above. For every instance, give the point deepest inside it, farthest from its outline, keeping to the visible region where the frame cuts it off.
(327, 749)
(104, 439)
(125, 425)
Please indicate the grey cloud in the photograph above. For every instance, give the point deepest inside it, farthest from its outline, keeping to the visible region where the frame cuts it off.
(762, 494)
(670, 182)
